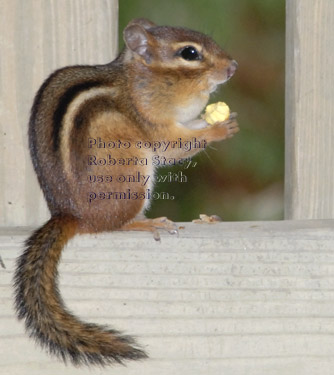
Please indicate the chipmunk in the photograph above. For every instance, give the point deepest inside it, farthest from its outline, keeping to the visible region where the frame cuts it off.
(153, 91)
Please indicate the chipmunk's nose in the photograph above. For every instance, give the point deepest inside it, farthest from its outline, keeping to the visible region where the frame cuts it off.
(231, 69)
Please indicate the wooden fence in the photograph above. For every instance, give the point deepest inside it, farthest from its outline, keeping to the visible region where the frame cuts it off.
(231, 298)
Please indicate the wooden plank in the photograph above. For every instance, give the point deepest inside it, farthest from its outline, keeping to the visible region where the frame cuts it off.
(309, 164)
(36, 37)
(233, 298)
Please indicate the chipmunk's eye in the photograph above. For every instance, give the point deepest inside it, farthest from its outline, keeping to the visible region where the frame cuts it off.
(189, 53)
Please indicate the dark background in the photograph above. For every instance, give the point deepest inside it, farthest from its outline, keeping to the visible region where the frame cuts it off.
(241, 178)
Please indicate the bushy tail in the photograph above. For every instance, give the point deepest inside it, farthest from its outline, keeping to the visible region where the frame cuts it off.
(38, 301)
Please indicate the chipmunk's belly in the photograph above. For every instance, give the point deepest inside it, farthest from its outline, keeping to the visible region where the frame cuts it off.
(115, 187)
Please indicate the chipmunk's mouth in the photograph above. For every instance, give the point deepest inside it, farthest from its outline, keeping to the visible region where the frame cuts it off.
(213, 87)
(229, 72)
(231, 69)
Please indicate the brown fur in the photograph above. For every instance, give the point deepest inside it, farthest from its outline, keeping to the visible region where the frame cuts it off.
(39, 303)
(144, 95)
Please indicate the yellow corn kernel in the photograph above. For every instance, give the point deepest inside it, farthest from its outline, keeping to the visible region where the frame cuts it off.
(216, 112)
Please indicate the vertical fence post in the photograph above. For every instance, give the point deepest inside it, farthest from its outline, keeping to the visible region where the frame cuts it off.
(309, 166)
(37, 37)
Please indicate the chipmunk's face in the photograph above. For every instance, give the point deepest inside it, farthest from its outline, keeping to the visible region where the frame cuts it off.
(187, 65)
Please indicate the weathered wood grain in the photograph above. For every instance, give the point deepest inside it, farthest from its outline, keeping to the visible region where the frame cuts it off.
(309, 167)
(232, 298)
(37, 37)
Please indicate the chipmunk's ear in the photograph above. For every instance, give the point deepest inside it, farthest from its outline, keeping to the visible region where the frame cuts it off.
(145, 23)
(138, 40)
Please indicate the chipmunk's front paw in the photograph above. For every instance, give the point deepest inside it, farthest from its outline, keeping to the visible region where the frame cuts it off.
(231, 125)
(205, 219)
(224, 129)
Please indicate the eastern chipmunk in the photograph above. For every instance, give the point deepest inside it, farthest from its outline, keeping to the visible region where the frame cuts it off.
(153, 91)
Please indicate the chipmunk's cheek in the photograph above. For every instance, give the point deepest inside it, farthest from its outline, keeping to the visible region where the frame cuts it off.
(190, 109)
